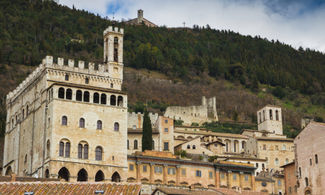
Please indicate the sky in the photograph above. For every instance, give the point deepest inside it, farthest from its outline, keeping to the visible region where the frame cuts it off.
(294, 22)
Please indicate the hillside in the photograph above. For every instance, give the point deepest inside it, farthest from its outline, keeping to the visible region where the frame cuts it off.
(187, 63)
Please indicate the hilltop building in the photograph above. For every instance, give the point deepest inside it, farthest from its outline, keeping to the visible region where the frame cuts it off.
(140, 20)
(69, 120)
(206, 112)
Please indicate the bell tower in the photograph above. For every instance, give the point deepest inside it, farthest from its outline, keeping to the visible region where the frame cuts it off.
(113, 51)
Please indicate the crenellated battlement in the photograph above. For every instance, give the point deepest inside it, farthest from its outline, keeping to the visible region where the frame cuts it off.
(61, 64)
(113, 30)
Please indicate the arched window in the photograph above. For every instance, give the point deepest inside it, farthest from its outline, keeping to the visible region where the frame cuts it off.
(120, 101)
(79, 95)
(87, 80)
(23, 113)
(263, 115)
(316, 159)
(112, 85)
(277, 115)
(299, 172)
(194, 147)
(27, 109)
(80, 150)
(61, 93)
(271, 114)
(61, 149)
(99, 153)
(99, 124)
(113, 100)
(96, 98)
(306, 181)
(103, 98)
(115, 49)
(69, 94)
(188, 147)
(86, 96)
(66, 77)
(260, 116)
(82, 123)
(86, 148)
(276, 161)
(67, 149)
(116, 126)
(135, 144)
(64, 121)
(47, 173)
(128, 144)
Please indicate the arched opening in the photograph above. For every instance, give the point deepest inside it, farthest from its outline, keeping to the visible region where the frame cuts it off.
(193, 147)
(8, 171)
(79, 95)
(99, 124)
(113, 100)
(82, 123)
(103, 98)
(82, 175)
(116, 126)
(86, 151)
(115, 49)
(188, 147)
(80, 147)
(271, 114)
(68, 94)
(61, 148)
(86, 96)
(243, 144)
(64, 120)
(61, 93)
(128, 144)
(120, 101)
(96, 98)
(66, 77)
(64, 174)
(99, 153)
(47, 173)
(116, 177)
(99, 176)
(135, 144)
(277, 115)
(67, 149)
(307, 192)
(227, 145)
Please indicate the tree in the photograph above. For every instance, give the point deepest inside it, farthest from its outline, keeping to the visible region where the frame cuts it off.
(146, 132)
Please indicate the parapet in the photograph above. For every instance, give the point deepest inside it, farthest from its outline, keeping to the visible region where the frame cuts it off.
(115, 30)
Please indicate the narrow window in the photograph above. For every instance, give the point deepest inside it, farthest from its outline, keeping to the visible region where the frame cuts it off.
(99, 124)
(246, 177)
(61, 149)
(153, 145)
(48, 145)
(260, 116)
(128, 144)
(316, 159)
(99, 152)
(113, 100)
(27, 109)
(80, 151)
(299, 172)
(86, 151)
(116, 126)
(277, 115)
(276, 161)
(103, 98)
(79, 95)
(198, 173)
(69, 94)
(87, 80)
(271, 116)
(263, 115)
(23, 113)
(82, 123)
(96, 98)
(66, 77)
(135, 144)
(144, 167)
(166, 146)
(131, 167)
(67, 149)
(306, 181)
(115, 49)
(234, 176)
(64, 121)
(112, 85)
(86, 96)
(166, 121)
(311, 162)
(210, 174)
(61, 93)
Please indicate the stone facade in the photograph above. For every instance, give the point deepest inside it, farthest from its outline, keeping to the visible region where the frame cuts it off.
(310, 155)
(68, 120)
(206, 112)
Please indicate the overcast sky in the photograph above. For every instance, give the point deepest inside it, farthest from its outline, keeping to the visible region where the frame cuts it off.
(295, 22)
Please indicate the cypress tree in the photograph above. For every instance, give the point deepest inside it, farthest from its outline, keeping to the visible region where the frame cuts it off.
(146, 132)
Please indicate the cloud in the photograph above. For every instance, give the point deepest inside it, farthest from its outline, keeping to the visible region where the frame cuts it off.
(295, 22)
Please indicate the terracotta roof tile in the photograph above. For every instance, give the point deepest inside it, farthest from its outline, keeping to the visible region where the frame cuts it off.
(43, 188)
